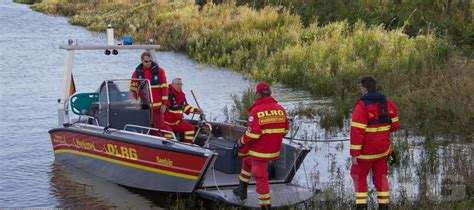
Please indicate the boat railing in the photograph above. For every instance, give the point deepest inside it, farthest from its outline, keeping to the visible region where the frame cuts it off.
(206, 144)
(88, 118)
(149, 129)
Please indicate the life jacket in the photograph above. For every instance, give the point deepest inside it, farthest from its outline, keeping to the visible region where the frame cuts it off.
(155, 76)
(158, 85)
(380, 102)
(177, 106)
(174, 104)
(373, 118)
(266, 126)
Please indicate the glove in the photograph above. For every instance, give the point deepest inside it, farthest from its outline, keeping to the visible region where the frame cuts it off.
(243, 151)
(392, 158)
(163, 109)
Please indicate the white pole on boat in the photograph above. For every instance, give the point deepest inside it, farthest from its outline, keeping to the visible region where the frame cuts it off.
(110, 35)
(63, 101)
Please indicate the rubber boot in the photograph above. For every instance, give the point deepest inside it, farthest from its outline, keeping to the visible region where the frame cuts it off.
(361, 207)
(241, 191)
(383, 207)
(266, 207)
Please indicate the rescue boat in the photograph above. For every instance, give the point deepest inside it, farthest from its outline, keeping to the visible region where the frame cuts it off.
(110, 136)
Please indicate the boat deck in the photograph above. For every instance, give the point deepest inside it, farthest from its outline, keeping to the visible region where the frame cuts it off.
(220, 178)
(283, 195)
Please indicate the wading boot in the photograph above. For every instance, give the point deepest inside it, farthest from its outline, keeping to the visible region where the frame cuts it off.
(266, 207)
(383, 207)
(361, 207)
(241, 191)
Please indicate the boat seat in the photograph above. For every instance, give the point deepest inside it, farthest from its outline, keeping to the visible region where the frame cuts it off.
(81, 102)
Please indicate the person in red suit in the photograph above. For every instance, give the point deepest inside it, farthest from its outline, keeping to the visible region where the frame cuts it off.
(267, 125)
(373, 119)
(149, 70)
(177, 106)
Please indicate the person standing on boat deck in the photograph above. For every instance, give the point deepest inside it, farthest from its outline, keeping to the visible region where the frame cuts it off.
(159, 88)
(373, 119)
(267, 125)
(177, 105)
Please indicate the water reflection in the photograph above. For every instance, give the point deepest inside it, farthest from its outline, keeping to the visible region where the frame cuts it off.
(76, 189)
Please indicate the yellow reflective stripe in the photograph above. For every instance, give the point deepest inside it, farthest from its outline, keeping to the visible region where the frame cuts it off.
(175, 123)
(378, 129)
(274, 130)
(358, 125)
(252, 135)
(242, 154)
(383, 201)
(375, 156)
(264, 202)
(264, 155)
(361, 201)
(356, 147)
(383, 193)
(186, 108)
(156, 104)
(242, 141)
(164, 97)
(361, 194)
(244, 172)
(268, 195)
(192, 110)
(395, 119)
(188, 137)
(188, 132)
(168, 135)
(243, 179)
(133, 88)
(160, 85)
(175, 111)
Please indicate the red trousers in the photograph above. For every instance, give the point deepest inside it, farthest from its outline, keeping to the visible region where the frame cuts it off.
(258, 170)
(159, 122)
(359, 174)
(183, 127)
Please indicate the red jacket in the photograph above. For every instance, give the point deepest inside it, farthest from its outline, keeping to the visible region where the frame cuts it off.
(267, 125)
(373, 118)
(177, 105)
(157, 78)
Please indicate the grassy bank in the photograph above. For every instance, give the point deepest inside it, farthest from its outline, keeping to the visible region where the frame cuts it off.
(431, 84)
(25, 1)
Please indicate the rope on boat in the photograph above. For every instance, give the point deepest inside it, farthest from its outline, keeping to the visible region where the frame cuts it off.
(319, 140)
(215, 182)
(306, 175)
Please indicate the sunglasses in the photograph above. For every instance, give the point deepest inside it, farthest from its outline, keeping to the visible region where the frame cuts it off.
(147, 61)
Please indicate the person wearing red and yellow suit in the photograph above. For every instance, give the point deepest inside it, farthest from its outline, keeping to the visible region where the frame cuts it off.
(267, 125)
(177, 106)
(150, 71)
(373, 119)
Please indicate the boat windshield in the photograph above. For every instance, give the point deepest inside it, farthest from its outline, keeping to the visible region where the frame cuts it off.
(125, 92)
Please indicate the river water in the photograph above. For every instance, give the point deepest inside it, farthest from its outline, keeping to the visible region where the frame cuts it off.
(31, 67)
